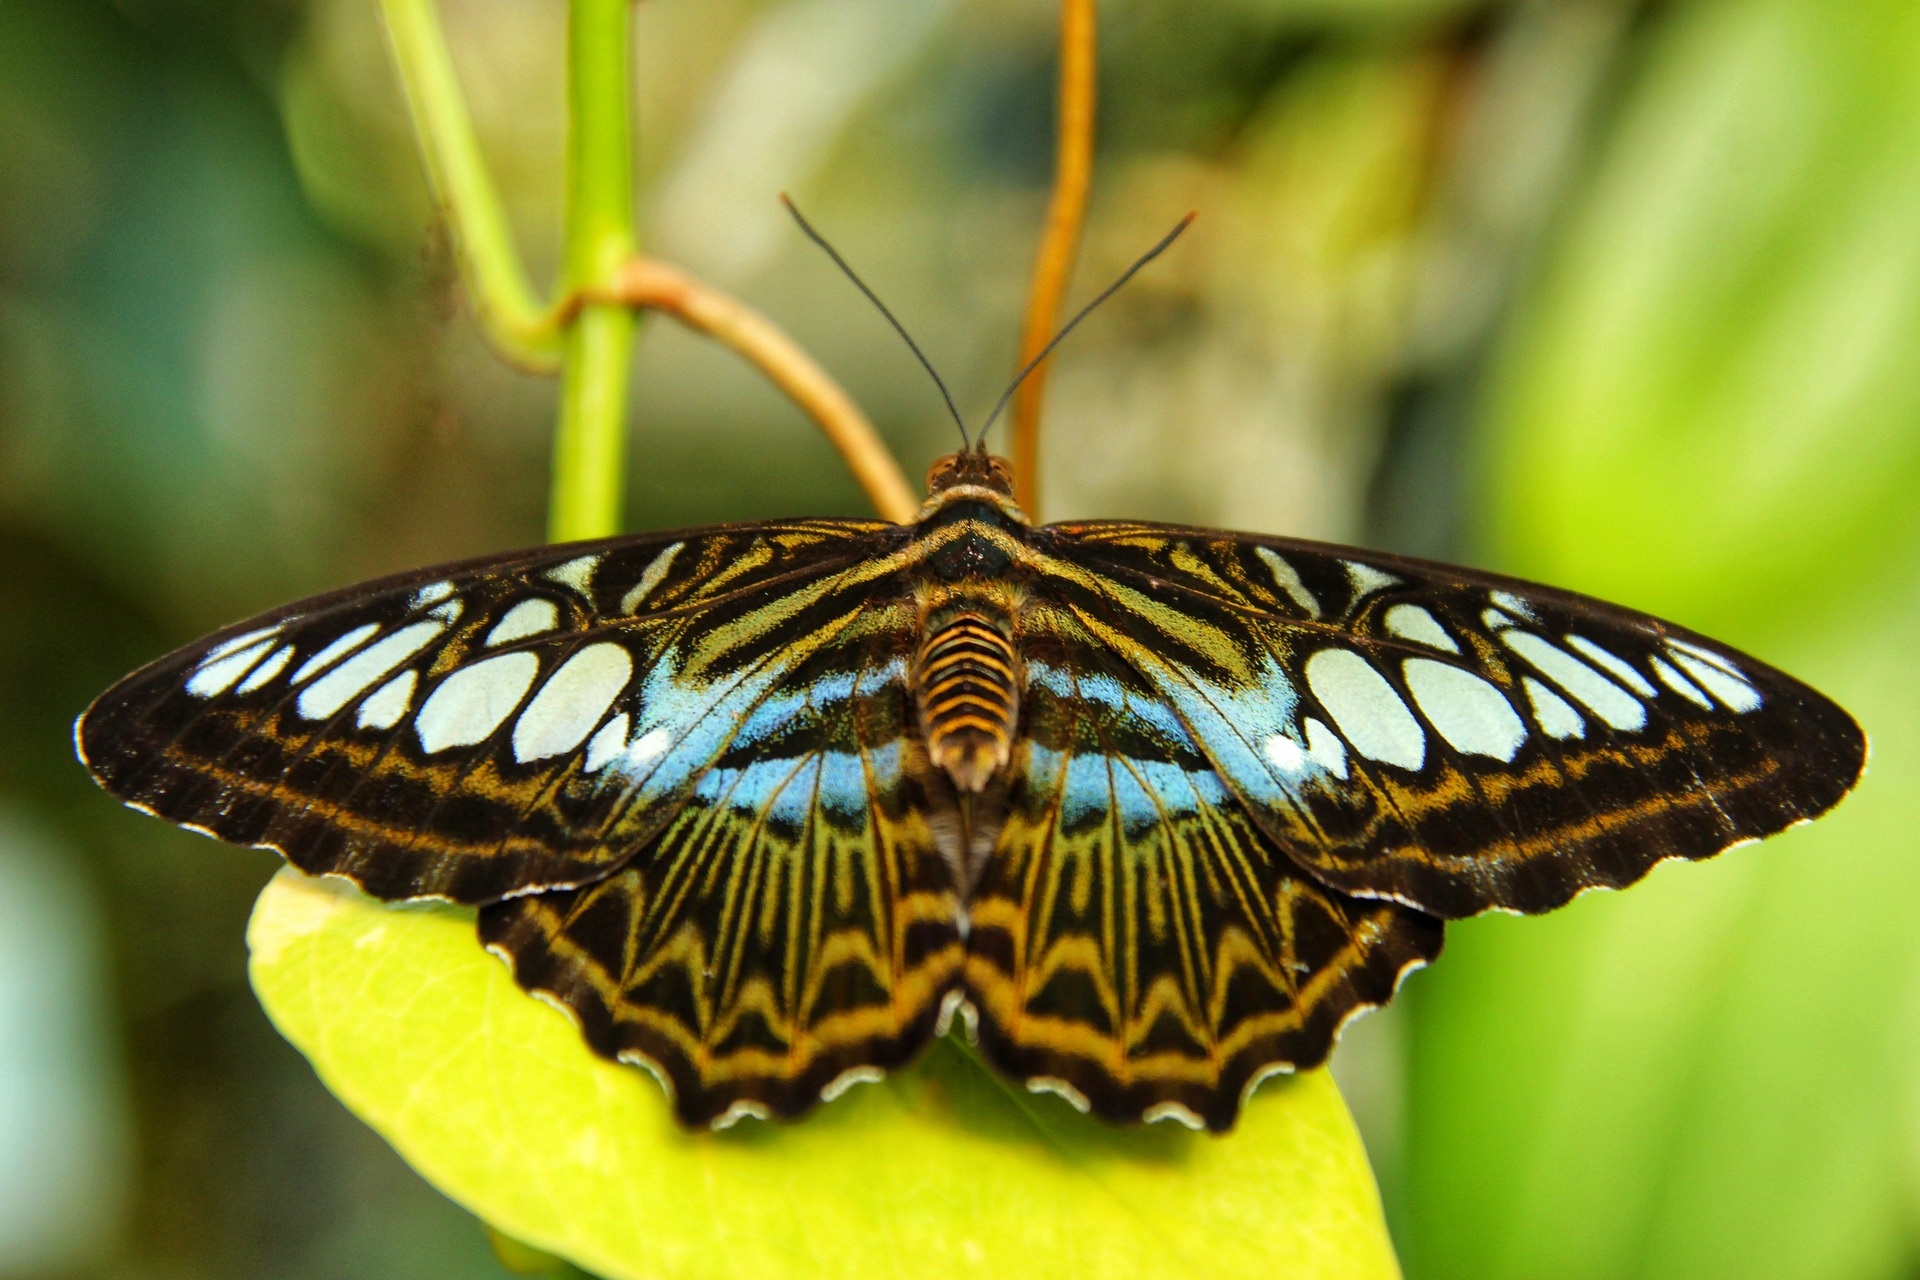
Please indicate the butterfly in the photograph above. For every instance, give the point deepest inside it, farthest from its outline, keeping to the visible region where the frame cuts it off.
(1152, 810)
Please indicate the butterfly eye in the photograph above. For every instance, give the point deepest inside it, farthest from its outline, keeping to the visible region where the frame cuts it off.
(944, 473)
(1000, 474)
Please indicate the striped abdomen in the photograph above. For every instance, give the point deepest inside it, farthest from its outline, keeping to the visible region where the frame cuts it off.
(969, 698)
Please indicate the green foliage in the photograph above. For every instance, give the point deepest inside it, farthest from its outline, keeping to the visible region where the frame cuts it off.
(229, 374)
(495, 1098)
(1721, 361)
(1710, 412)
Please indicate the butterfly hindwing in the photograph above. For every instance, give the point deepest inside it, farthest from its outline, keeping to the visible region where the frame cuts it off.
(794, 927)
(481, 729)
(1137, 942)
(1453, 740)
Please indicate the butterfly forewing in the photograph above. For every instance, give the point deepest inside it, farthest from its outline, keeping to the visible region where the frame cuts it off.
(1453, 740)
(484, 729)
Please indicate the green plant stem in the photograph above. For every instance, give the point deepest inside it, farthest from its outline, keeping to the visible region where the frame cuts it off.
(589, 454)
(518, 323)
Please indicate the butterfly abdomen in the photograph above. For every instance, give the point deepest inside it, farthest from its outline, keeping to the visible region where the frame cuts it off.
(969, 698)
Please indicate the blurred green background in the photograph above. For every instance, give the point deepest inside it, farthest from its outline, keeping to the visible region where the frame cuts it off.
(1621, 295)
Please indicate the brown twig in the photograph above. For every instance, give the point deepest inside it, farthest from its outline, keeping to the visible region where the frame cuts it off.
(1066, 214)
(645, 282)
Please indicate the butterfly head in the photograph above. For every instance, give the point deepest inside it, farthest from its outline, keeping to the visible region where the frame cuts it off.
(972, 475)
(974, 468)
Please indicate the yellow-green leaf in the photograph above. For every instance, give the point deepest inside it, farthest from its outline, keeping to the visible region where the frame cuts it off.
(942, 1170)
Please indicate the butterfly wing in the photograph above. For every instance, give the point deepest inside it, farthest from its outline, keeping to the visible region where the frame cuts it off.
(679, 768)
(484, 729)
(1137, 942)
(793, 929)
(1453, 740)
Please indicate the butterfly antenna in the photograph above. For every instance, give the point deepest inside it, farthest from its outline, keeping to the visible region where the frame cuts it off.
(872, 297)
(1083, 313)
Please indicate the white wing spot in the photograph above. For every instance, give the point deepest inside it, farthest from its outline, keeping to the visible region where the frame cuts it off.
(241, 641)
(1286, 755)
(432, 593)
(1326, 749)
(1513, 604)
(956, 1002)
(474, 701)
(1466, 710)
(1680, 684)
(1172, 1111)
(1052, 1084)
(1616, 666)
(1718, 660)
(449, 612)
(1271, 1070)
(269, 669)
(528, 618)
(1366, 579)
(1589, 688)
(606, 744)
(631, 1057)
(1494, 620)
(1412, 622)
(654, 574)
(849, 1078)
(1556, 717)
(1730, 689)
(571, 702)
(1288, 581)
(218, 676)
(1366, 710)
(389, 703)
(650, 745)
(576, 573)
(332, 653)
(341, 685)
(738, 1111)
